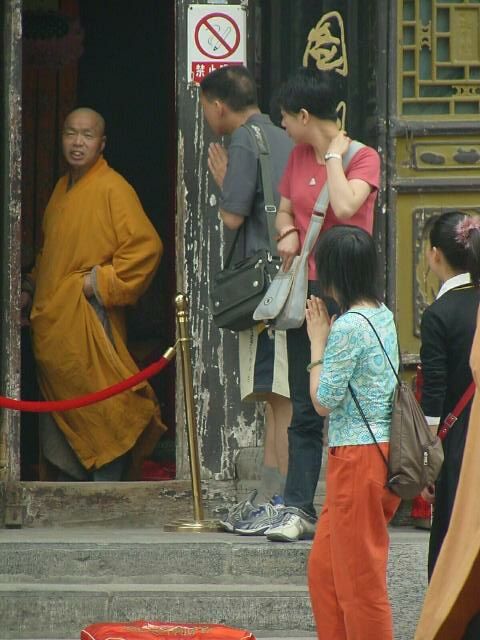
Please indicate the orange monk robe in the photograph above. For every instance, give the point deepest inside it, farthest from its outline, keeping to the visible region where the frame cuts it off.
(98, 224)
(453, 596)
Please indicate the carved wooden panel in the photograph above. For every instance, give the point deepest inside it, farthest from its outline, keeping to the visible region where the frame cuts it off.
(439, 59)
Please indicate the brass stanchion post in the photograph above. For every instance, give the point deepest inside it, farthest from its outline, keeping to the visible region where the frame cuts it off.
(199, 524)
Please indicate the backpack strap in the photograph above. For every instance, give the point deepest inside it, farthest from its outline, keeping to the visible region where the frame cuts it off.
(381, 344)
(453, 416)
(355, 399)
(364, 417)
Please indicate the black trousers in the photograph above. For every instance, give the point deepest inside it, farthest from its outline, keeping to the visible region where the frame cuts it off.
(446, 487)
(473, 629)
(305, 433)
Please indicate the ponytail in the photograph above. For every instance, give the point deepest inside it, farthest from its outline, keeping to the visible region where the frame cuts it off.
(468, 236)
(457, 235)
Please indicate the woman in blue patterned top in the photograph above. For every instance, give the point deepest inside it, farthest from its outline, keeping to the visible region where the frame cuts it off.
(348, 562)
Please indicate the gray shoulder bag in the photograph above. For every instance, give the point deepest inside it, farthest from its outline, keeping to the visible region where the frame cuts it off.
(284, 304)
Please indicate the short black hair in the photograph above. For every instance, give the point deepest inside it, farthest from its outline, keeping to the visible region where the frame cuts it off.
(234, 85)
(460, 256)
(347, 265)
(312, 90)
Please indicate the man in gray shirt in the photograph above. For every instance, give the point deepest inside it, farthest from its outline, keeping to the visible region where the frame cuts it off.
(229, 101)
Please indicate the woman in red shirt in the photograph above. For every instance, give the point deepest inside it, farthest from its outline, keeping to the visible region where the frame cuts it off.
(308, 103)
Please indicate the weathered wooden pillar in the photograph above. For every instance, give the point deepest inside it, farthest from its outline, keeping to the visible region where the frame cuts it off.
(224, 423)
(10, 210)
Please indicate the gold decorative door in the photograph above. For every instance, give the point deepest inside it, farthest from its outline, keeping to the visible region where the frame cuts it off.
(434, 142)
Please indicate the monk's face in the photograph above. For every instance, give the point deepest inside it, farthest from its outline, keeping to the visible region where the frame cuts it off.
(83, 140)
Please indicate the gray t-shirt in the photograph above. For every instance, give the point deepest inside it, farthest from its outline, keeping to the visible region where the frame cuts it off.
(242, 191)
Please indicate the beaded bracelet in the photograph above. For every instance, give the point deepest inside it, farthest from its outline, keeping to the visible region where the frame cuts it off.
(315, 363)
(281, 236)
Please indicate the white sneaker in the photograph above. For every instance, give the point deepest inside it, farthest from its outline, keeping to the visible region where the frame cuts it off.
(292, 527)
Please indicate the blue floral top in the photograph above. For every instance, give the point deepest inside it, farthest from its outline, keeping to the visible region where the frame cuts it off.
(353, 354)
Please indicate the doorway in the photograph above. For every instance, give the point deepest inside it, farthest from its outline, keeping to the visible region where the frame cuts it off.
(118, 58)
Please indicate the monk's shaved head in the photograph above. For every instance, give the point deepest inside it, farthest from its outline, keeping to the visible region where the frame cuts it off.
(98, 121)
(83, 140)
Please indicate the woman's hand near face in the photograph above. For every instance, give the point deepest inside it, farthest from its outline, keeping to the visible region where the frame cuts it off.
(339, 144)
(318, 328)
(318, 320)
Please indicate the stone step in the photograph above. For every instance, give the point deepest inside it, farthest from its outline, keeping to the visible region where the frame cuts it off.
(166, 558)
(53, 582)
(46, 556)
(59, 610)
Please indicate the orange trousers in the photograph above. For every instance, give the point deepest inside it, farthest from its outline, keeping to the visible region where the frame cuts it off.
(347, 567)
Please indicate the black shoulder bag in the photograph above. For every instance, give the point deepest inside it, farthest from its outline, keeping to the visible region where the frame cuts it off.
(237, 289)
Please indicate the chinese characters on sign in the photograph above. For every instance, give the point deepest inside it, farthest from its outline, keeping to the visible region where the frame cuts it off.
(326, 45)
(200, 69)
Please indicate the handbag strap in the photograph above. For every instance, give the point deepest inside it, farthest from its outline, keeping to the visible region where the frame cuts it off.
(258, 136)
(321, 204)
(453, 416)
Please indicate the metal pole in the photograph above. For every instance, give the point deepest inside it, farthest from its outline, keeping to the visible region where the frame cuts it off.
(199, 524)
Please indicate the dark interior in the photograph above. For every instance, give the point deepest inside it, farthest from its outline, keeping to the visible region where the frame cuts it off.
(126, 72)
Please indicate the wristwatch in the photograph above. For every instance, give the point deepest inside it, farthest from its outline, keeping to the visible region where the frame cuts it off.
(331, 154)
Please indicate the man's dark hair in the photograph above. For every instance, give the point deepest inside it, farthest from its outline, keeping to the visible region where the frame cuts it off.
(233, 85)
(347, 265)
(309, 89)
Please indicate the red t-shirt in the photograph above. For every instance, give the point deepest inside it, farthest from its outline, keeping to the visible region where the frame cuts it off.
(303, 179)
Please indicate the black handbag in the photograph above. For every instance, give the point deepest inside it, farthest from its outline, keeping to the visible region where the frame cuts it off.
(237, 289)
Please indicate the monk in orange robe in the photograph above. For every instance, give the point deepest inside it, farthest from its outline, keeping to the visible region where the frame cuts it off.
(100, 253)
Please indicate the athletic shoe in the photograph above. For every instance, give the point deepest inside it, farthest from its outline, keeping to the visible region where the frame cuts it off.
(259, 521)
(239, 512)
(277, 500)
(294, 525)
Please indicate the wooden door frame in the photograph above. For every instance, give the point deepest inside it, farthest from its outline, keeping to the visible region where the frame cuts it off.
(44, 503)
(11, 239)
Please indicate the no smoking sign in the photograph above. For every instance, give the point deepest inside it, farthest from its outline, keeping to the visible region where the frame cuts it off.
(216, 38)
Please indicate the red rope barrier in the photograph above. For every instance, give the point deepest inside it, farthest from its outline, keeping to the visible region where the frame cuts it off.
(89, 398)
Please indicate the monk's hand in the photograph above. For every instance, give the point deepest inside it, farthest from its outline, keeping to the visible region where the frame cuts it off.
(26, 301)
(217, 162)
(87, 285)
(318, 320)
(288, 248)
